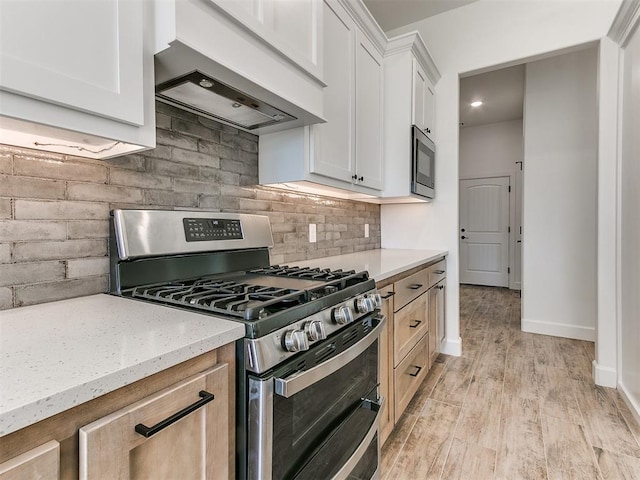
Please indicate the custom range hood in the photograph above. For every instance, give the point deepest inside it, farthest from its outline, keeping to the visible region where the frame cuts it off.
(201, 94)
(208, 63)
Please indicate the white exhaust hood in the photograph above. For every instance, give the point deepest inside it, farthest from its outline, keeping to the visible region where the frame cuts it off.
(214, 68)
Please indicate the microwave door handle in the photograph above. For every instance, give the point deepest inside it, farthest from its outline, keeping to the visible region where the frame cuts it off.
(287, 387)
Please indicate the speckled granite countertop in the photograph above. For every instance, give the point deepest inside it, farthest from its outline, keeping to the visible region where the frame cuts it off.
(381, 263)
(61, 354)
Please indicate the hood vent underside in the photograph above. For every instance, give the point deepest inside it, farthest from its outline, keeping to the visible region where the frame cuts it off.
(211, 98)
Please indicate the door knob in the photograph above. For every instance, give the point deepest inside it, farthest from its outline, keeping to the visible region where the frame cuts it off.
(462, 229)
(463, 237)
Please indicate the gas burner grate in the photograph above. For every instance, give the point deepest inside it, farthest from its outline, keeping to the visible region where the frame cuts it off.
(304, 272)
(247, 301)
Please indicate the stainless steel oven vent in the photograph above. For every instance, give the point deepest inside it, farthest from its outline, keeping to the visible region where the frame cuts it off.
(204, 95)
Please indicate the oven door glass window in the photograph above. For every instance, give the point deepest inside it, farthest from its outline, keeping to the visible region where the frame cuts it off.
(321, 426)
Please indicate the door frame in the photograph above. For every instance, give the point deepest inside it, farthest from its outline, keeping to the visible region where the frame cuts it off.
(512, 220)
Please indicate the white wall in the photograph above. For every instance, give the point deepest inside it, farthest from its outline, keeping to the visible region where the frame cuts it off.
(559, 295)
(479, 36)
(492, 150)
(629, 368)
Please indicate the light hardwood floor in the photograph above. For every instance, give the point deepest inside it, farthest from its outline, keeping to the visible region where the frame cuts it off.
(514, 406)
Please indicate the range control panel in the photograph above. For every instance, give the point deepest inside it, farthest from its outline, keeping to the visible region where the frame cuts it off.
(206, 229)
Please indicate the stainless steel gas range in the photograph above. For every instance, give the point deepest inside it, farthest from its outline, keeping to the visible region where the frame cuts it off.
(307, 385)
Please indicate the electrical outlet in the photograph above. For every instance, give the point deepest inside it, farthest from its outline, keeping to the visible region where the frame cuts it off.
(312, 233)
(366, 230)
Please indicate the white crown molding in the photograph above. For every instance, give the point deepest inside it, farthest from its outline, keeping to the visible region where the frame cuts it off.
(366, 22)
(413, 42)
(625, 23)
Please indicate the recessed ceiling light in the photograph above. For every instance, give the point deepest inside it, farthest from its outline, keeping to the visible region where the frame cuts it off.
(477, 103)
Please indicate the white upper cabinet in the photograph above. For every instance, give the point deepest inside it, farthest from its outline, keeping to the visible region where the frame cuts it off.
(423, 114)
(369, 114)
(344, 153)
(334, 141)
(269, 50)
(409, 78)
(292, 27)
(81, 70)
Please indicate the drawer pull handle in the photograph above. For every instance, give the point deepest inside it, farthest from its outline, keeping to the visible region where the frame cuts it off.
(439, 272)
(415, 286)
(146, 432)
(415, 325)
(388, 295)
(415, 374)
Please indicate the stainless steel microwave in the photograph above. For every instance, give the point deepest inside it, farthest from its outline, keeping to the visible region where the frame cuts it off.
(423, 166)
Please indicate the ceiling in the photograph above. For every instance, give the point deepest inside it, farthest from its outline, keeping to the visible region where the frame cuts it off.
(392, 14)
(502, 92)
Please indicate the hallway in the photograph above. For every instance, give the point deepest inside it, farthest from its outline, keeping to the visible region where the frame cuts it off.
(514, 406)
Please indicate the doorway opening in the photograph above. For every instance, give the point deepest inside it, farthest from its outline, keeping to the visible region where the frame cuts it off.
(491, 156)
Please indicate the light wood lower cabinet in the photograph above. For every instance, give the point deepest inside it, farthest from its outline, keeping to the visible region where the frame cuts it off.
(410, 325)
(63, 428)
(42, 462)
(410, 373)
(436, 319)
(386, 364)
(194, 446)
(410, 342)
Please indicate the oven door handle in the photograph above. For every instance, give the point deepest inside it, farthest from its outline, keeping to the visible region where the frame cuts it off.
(350, 464)
(287, 387)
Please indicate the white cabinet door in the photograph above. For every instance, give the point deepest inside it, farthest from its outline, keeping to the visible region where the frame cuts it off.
(333, 154)
(291, 26)
(429, 109)
(419, 87)
(423, 104)
(87, 56)
(369, 101)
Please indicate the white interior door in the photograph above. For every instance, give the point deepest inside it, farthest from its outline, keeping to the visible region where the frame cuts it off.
(484, 231)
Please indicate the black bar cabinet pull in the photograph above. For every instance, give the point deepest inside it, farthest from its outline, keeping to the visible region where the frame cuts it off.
(146, 432)
(416, 372)
(439, 272)
(388, 295)
(415, 325)
(415, 286)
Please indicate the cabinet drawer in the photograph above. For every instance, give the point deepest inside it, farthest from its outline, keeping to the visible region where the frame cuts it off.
(409, 375)
(437, 272)
(410, 288)
(410, 325)
(195, 446)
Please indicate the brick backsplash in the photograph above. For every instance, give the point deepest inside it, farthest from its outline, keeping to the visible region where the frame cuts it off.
(54, 209)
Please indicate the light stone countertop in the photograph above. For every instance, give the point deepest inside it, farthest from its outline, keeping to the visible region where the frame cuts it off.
(381, 263)
(60, 354)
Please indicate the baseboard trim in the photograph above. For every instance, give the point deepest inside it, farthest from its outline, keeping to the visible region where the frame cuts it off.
(633, 405)
(604, 376)
(559, 330)
(451, 346)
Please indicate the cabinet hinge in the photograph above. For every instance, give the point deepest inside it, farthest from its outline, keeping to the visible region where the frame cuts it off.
(508, 269)
(509, 188)
(508, 229)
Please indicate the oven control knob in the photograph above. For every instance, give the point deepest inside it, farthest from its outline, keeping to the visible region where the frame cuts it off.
(342, 315)
(296, 341)
(376, 299)
(364, 305)
(315, 330)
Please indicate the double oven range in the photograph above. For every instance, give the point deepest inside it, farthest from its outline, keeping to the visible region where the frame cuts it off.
(307, 383)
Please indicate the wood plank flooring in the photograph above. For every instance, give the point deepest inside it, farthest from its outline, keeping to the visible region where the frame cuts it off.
(515, 405)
